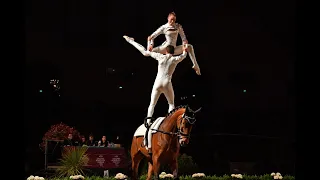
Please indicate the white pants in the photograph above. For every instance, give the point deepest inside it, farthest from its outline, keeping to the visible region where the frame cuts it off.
(161, 85)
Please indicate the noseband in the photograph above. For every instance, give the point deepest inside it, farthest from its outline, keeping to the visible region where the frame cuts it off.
(179, 133)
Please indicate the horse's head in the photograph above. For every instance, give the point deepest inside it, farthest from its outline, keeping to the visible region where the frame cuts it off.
(185, 124)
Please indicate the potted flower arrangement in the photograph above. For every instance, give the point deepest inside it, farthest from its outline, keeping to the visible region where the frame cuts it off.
(59, 132)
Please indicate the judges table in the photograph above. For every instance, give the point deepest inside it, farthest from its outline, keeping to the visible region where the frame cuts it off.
(106, 158)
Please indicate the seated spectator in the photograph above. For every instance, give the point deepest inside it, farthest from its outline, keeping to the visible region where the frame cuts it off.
(103, 142)
(82, 141)
(91, 141)
(70, 141)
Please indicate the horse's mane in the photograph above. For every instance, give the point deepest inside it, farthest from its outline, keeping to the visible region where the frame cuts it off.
(175, 109)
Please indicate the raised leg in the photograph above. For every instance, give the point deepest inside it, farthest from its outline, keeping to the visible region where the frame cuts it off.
(136, 45)
(178, 50)
(193, 59)
(159, 49)
(150, 171)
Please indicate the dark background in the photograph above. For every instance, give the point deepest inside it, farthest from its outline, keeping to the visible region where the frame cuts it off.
(239, 45)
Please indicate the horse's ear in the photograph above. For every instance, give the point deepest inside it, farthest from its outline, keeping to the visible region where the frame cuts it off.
(189, 109)
(198, 110)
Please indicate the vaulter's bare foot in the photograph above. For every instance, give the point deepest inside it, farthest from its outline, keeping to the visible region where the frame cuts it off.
(197, 69)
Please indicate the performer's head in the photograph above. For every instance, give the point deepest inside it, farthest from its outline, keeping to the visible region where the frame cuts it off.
(91, 137)
(170, 49)
(172, 18)
(104, 138)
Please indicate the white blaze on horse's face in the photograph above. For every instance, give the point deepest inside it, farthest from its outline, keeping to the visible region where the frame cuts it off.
(184, 131)
(183, 141)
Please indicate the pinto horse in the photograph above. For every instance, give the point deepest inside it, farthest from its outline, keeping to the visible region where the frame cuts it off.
(173, 132)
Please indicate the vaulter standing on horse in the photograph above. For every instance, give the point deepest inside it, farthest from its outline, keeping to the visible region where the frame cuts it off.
(166, 67)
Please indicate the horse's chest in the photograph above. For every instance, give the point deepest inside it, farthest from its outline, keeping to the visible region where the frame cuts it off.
(169, 148)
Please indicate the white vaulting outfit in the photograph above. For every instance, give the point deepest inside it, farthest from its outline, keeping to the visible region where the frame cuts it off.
(162, 84)
(171, 33)
(166, 66)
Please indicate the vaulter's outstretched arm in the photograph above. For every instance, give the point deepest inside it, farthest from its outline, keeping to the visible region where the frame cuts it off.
(181, 56)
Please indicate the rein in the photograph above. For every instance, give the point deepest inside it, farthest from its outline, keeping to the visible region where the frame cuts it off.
(179, 133)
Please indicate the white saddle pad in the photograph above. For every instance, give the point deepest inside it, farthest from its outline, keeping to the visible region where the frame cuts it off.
(155, 125)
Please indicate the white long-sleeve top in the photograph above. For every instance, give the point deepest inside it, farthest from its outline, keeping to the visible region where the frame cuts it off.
(166, 63)
(171, 33)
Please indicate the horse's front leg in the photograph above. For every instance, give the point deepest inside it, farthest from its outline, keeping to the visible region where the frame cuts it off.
(150, 171)
(156, 168)
(174, 169)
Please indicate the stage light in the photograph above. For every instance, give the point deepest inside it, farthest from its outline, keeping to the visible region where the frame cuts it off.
(120, 87)
(40, 90)
(193, 95)
(244, 90)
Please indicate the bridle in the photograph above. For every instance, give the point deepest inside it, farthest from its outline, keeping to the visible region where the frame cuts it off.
(179, 133)
(190, 120)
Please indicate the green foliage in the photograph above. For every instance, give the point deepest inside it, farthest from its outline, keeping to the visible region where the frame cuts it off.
(186, 165)
(288, 178)
(72, 161)
(143, 167)
(266, 177)
(253, 177)
(143, 177)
